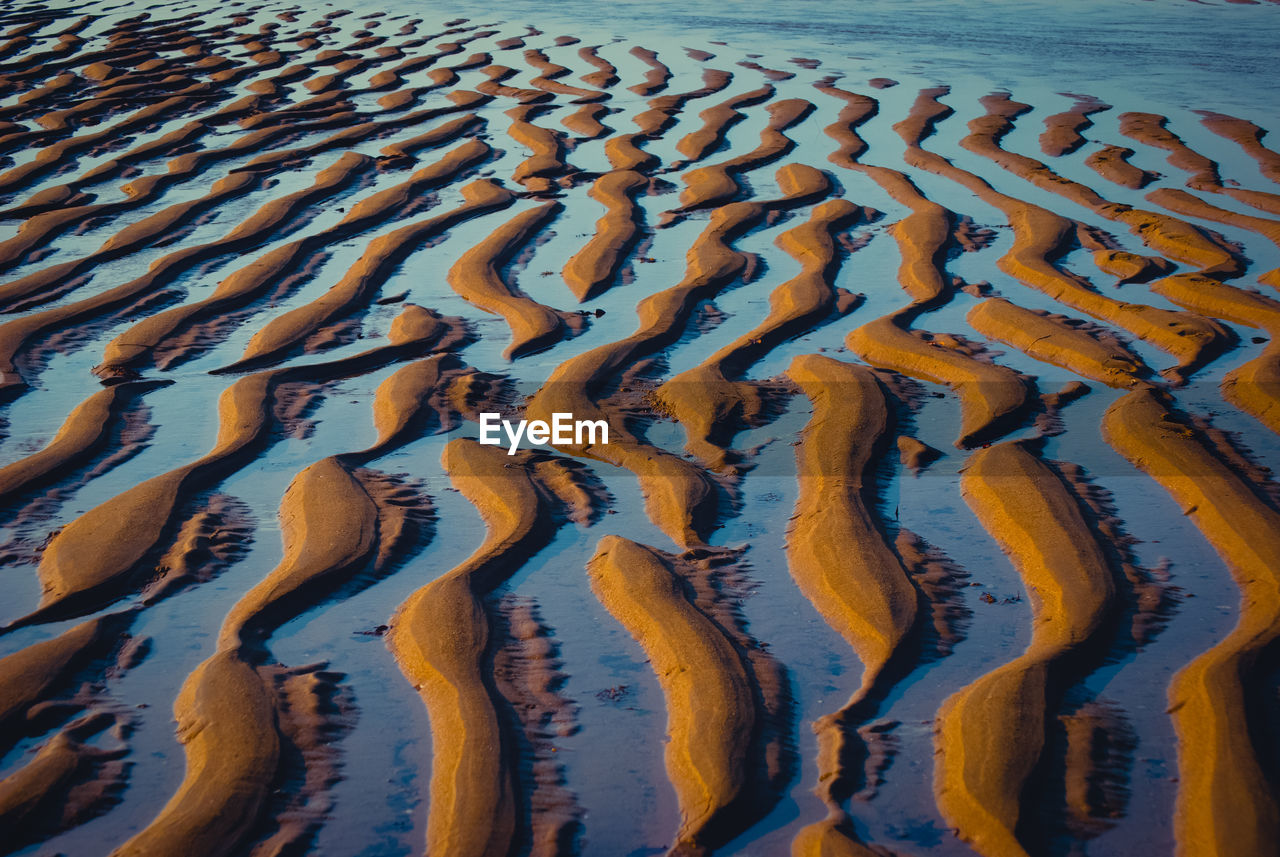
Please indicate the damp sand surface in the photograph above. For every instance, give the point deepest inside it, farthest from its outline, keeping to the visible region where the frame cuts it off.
(937, 511)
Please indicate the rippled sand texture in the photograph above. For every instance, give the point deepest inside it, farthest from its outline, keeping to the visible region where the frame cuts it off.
(935, 516)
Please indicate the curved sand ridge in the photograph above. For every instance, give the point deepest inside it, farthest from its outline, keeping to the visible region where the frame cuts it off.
(712, 717)
(663, 113)
(1191, 205)
(1062, 130)
(623, 150)
(402, 402)
(222, 705)
(594, 268)
(42, 670)
(55, 155)
(664, 110)
(1249, 137)
(1053, 339)
(1195, 246)
(605, 74)
(1225, 802)
(1112, 163)
(857, 109)
(717, 120)
(548, 79)
(72, 193)
(585, 122)
(922, 237)
(1251, 387)
(85, 433)
(538, 172)
(624, 153)
(992, 397)
(440, 637)
(42, 228)
(494, 86)
(440, 78)
(839, 559)
(655, 79)
(990, 734)
(1149, 128)
(476, 276)
(67, 782)
(140, 190)
(146, 188)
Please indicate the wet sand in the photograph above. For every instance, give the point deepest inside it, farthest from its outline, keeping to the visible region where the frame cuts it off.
(936, 515)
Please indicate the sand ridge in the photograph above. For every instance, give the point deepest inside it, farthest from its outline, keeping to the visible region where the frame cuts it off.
(1223, 802)
(991, 733)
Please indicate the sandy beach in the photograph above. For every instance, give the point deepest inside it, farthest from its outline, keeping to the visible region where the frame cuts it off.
(928, 504)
